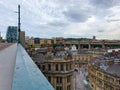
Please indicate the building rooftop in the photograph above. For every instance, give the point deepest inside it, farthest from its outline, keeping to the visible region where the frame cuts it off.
(113, 69)
(109, 63)
(54, 56)
(19, 72)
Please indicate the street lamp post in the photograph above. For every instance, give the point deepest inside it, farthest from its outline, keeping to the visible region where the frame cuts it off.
(19, 23)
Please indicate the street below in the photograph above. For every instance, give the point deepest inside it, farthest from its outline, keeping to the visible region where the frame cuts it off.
(80, 79)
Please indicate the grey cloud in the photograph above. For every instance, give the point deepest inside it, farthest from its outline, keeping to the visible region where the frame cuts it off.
(113, 20)
(77, 16)
(80, 36)
(75, 10)
(49, 18)
(101, 8)
(100, 30)
(58, 24)
(104, 3)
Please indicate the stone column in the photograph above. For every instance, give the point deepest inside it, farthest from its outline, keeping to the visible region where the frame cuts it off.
(70, 44)
(103, 46)
(54, 81)
(89, 45)
(79, 46)
(64, 80)
(72, 82)
(64, 43)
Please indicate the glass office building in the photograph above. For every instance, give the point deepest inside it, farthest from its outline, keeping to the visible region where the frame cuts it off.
(12, 34)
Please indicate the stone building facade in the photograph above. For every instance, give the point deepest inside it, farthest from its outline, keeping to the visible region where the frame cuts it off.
(104, 73)
(58, 69)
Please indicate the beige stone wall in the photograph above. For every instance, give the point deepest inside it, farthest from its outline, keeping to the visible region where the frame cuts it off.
(31, 42)
(65, 74)
(82, 57)
(100, 80)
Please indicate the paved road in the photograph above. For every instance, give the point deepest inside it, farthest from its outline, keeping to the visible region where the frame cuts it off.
(79, 84)
(78, 79)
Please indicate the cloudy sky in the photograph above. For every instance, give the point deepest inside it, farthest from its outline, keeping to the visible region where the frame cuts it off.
(63, 18)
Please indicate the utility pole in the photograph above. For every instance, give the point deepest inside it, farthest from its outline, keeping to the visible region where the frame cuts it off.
(19, 24)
